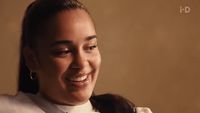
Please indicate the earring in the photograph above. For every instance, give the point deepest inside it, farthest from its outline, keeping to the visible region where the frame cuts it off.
(32, 75)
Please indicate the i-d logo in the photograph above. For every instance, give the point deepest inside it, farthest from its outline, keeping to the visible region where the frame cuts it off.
(185, 9)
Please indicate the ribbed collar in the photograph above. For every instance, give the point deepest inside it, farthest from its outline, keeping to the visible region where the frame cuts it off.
(83, 108)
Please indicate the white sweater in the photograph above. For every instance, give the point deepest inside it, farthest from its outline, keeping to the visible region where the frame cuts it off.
(24, 103)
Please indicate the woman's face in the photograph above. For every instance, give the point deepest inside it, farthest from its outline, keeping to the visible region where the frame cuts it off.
(68, 59)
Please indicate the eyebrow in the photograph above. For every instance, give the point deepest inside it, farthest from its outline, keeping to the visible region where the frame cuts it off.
(90, 37)
(66, 42)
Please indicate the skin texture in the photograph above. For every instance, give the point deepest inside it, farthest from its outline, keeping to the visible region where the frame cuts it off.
(67, 49)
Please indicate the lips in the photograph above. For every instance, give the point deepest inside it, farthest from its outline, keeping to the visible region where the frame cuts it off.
(79, 80)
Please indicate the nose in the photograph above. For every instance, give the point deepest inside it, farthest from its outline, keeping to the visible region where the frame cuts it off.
(80, 61)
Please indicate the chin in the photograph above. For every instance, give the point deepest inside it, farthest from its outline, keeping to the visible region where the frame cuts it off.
(79, 93)
(80, 97)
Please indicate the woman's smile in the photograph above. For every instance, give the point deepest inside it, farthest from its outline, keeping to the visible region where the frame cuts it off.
(79, 81)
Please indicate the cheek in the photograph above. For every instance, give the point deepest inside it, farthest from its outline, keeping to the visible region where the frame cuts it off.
(96, 61)
(60, 66)
(54, 67)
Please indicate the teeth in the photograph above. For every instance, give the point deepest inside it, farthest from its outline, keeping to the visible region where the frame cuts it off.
(79, 79)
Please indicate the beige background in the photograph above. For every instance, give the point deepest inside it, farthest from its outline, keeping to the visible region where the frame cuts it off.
(150, 51)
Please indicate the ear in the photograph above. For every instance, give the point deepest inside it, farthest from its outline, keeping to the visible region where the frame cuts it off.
(30, 59)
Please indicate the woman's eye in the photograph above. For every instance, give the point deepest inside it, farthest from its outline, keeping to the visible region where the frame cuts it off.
(92, 47)
(61, 53)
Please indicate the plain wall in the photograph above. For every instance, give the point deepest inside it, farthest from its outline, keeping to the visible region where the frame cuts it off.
(150, 51)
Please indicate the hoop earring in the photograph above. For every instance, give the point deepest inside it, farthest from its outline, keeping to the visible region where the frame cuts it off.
(32, 75)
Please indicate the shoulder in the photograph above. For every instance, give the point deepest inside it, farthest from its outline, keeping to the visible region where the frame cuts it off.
(19, 98)
(16, 104)
(111, 103)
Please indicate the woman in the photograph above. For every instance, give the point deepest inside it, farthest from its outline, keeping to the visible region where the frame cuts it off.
(59, 53)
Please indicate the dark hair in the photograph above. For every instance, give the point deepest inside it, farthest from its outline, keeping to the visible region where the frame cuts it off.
(111, 103)
(33, 25)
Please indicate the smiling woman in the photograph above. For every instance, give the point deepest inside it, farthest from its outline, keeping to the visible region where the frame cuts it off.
(65, 57)
(59, 52)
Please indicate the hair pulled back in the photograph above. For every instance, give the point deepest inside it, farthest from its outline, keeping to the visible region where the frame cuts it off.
(33, 25)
